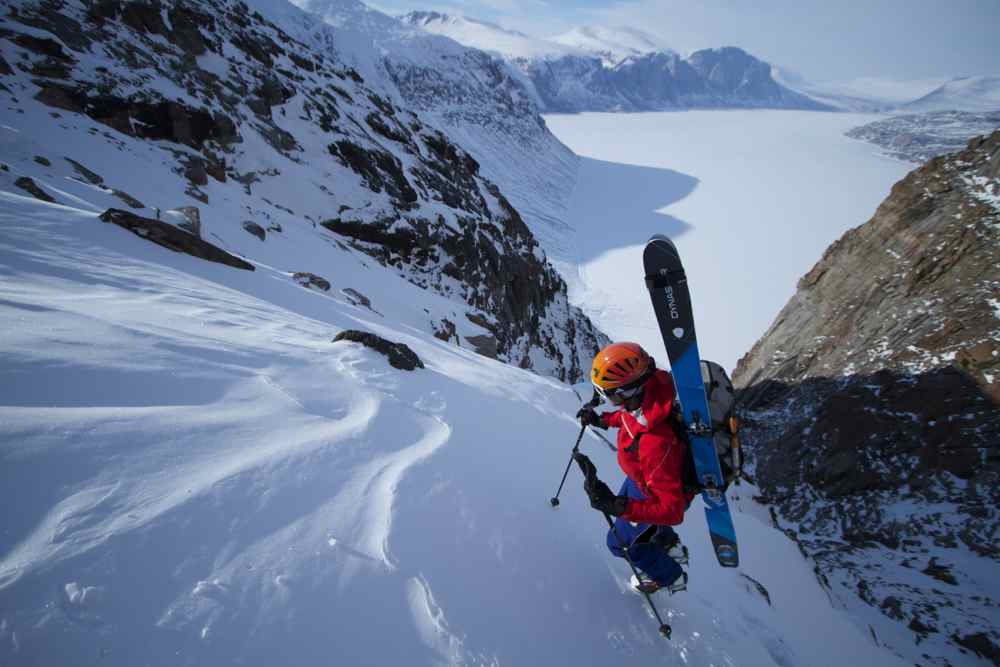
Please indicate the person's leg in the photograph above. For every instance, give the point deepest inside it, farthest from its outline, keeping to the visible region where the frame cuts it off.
(655, 562)
(650, 558)
(665, 537)
(624, 532)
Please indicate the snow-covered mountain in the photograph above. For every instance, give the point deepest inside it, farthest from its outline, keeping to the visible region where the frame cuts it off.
(196, 200)
(480, 102)
(865, 94)
(487, 36)
(874, 94)
(623, 70)
(974, 93)
(612, 45)
(873, 413)
(292, 153)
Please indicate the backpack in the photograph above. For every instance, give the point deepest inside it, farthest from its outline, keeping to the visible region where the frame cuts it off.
(721, 398)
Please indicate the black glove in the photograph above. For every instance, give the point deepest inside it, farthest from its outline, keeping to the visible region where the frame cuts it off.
(601, 497)
(588, 417)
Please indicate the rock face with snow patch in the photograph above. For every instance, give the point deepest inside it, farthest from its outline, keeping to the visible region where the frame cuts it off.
(872, 411)
(228, 94)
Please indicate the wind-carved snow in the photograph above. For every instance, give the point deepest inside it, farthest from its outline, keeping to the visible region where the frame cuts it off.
(432, 625)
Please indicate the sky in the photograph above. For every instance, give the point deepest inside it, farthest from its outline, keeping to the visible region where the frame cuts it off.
(823, 41)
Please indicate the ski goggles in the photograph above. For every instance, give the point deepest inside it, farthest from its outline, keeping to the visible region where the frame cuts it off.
(619, 395)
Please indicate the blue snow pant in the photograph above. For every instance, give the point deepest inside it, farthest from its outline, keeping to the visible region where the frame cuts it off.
(647, 543)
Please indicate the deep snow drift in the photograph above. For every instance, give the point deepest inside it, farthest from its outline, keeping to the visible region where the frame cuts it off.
(192, 473)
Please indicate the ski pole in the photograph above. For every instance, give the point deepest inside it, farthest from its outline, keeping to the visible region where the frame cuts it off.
(665, 629)
(554, 501)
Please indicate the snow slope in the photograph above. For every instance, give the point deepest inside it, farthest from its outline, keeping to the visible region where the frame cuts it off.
(752, 198)
(192, 473)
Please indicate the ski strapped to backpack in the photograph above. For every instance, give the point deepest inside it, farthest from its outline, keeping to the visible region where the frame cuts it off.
(669, 292)
(725, 429)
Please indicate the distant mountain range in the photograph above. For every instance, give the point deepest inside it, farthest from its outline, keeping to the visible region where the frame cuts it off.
(606, 69)
(600, 68)
(974, 94)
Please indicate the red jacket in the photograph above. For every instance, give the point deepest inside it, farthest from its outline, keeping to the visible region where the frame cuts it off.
(656, 460)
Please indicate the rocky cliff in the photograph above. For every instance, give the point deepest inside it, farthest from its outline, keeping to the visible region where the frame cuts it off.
(260, 121)
(872, 413)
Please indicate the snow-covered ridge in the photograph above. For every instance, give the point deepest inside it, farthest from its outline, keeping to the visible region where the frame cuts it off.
(228, 111)
(474, 97)
(486, 36)
(873, 94)
(973, 94)
(612, 44)
(623, 69)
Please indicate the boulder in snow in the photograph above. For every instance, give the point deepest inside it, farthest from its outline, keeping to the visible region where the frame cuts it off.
(307, 279)
(29, 186)
(255, 229)
(173, 238)
(399, 354)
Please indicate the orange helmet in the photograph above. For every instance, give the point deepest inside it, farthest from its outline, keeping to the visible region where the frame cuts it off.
(619, 365)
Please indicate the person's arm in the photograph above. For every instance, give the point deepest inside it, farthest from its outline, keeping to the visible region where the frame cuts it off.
(661, 461)
(612, 419)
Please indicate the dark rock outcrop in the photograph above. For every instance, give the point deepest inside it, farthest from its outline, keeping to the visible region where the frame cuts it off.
(88, 175)
(307, 279)
(157, 120)
(128, 199)
(32, 188)
(871, 407)
(173, 238)
(254, 229)
(399, 355)
(357, 298)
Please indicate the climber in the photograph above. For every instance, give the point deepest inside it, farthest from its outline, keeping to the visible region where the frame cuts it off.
(650, 452)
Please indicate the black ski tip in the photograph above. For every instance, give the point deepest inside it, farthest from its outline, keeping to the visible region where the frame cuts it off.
(554, 502)
(666, 631)
(659, 245)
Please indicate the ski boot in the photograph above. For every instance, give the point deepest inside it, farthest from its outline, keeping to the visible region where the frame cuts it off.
(646, 585)
(679, 553)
